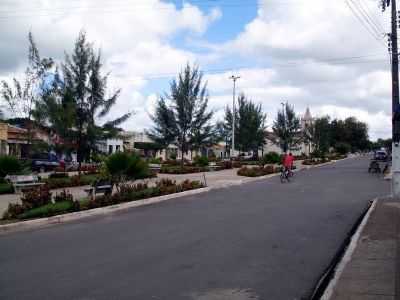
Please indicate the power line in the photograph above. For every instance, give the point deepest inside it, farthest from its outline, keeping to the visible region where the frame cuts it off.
(360, 19)
(366, 19)
(375, 20)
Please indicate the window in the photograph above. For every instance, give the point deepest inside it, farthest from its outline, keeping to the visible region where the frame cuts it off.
(110, 149)
(117, 148)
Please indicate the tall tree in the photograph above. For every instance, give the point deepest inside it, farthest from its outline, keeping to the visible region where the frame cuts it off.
(187, 113)
(22, 96)
(81, 87)
(320, 135)
(164, 130)
(249, 125)
(287, 129)
(350, 131)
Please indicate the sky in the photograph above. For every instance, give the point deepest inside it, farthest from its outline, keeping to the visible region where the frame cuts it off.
(330, 56)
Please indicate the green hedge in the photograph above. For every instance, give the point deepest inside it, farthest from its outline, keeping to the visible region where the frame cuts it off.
(6, 188)
(48, 210)
(76, 180)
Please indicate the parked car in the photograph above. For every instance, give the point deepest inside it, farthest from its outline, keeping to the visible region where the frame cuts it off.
(43, 162)
(380, 155)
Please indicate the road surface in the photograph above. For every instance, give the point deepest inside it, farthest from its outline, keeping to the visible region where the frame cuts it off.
(260, 240)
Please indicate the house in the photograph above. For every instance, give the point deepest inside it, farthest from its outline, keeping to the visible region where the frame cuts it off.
(110, 146)
(13, 140)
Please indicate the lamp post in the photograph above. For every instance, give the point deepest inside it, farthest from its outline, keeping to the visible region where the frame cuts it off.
(234, 78)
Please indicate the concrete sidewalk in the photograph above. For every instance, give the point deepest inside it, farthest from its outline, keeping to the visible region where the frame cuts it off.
(370, 269)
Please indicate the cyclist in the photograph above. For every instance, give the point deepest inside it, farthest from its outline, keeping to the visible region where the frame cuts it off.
(288, 160)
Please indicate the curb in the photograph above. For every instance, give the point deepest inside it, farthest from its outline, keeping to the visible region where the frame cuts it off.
(327, 283)
(64, 218)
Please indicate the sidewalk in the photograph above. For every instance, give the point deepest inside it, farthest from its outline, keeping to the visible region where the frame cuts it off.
(370, 268)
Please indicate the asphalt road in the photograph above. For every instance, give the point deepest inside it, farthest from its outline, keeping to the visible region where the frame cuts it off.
(261, 240)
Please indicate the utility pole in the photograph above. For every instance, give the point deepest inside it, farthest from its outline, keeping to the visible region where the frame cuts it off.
(395, 99)
(234, 78)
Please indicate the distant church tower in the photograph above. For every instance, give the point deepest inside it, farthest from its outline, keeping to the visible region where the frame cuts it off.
(307, 119)
(306, 122)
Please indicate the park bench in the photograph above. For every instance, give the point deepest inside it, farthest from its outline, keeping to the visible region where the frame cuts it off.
(100, 187)
(212, 166)
(155, 167)
(23, 182)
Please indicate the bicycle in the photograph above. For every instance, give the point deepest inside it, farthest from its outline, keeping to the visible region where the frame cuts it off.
(286, 174)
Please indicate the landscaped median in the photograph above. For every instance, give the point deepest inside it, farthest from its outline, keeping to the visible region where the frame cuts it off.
(258, 171)
(39, 203)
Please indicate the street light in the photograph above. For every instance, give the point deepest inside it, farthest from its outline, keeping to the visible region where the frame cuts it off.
(234, 78)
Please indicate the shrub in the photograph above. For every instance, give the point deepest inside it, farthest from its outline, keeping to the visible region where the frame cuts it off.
(64, 196)
(225, 164)
(315, 161)
(342, 148)
(9, 165)
(76, 180)
(185, 170)
(6, 188)
(154, 160)
(121, 166)
(236, 164)
(271, 158)
(201, 161)
(13, 211)
(36, 197)
(257, 171)
(48, 210)
(171, 162)
(58, 175)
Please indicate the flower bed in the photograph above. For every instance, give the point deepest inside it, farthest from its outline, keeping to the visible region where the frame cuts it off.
(257, 171)
(63, 181)
(185, 170)
(315, 161)
(39, 203)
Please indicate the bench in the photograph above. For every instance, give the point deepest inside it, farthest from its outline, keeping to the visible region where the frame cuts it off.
(212, 166)
(23, 182)
(155, 167)
(100, 187)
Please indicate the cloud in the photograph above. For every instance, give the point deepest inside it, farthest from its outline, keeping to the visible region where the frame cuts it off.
(321, 56)
(136, 39)
(310, 53)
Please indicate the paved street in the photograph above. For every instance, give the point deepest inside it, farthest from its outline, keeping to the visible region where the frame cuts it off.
(260, 240)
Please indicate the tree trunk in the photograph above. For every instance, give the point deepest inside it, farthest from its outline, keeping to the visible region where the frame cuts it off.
(182, 149)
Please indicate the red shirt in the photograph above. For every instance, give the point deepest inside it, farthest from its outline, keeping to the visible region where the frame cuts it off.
(288, 161)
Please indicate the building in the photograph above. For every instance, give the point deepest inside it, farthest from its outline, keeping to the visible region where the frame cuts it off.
(13, 140)
(304, 147)
(110, 146)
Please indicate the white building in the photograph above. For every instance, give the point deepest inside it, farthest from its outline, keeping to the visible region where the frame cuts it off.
(110, 146)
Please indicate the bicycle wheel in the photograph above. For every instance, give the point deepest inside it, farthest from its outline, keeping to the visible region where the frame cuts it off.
(282, 177)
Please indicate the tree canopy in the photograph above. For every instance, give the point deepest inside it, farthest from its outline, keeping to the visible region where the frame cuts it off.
(182, 116)
(287, 129)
